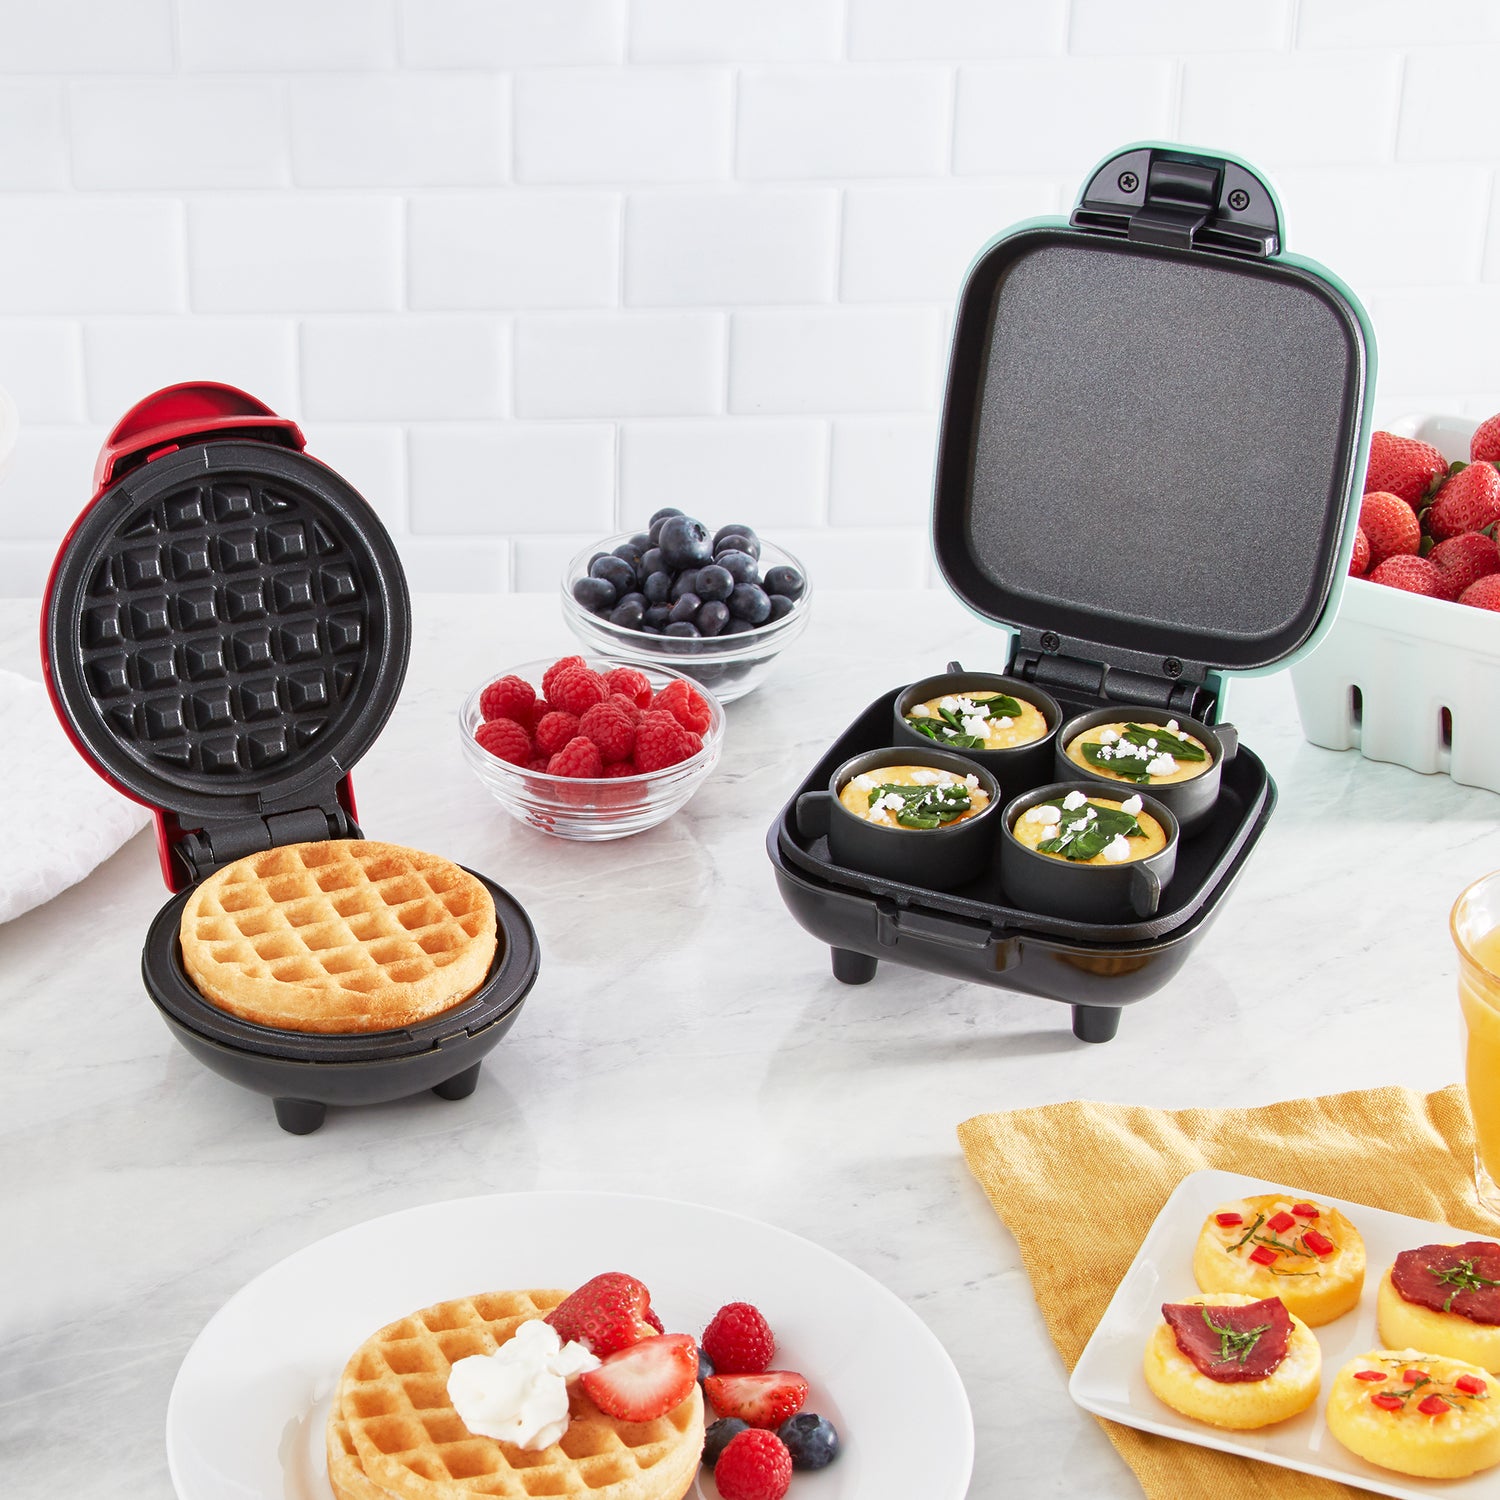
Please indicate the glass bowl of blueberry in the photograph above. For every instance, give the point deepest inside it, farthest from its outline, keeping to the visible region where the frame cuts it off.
(718, 607)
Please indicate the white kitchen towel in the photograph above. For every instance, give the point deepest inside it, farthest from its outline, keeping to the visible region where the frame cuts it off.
(59, 818)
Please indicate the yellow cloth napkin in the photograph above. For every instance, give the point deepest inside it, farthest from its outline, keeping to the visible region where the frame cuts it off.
(1391, 1148)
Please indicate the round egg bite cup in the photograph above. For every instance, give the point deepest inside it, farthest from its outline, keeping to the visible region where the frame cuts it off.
(225, 631)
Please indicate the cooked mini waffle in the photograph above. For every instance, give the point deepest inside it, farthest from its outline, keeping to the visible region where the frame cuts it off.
(345, 935)
(393, 1426)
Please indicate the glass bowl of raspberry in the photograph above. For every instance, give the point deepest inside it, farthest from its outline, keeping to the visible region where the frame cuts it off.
(590, 748)
(718, 607)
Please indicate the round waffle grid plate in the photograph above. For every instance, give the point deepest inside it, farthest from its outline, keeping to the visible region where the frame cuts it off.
(248, 1408)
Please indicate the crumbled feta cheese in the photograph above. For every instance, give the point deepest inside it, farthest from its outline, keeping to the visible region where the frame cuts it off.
(1117, 848)
(1108, 736)
(1074, 800)
(1049, 814)
(1131, 805)
(1162, 765)
(864, 782)
(972, 782)
(921, 711)
(886, 800)
(1078, 826)
(1151, 743)
(1173, 727)
(951, 704)
(926, 778)
(978, 725)
(963, 705)
(1105, 753)
(1005, 723)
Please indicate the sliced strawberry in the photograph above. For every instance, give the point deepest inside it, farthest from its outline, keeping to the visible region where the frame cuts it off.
(764, 1400)
(607, 1314)
(645, 1381)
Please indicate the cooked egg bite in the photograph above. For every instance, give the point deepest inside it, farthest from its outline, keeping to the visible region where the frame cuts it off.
(1274, 1245)
(1242, 1405)
(1416, 1413)
(1409, 1325)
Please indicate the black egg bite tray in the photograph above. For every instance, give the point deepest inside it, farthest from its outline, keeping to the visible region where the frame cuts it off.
(973, 932)
(225, 631)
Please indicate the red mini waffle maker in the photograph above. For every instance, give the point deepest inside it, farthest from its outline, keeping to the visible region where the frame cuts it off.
(225, 631)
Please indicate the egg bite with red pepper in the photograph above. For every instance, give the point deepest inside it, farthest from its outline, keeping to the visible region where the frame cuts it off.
(1233, 1361)
(1275, 1245)
(1445, 1298)
(1416, 1413)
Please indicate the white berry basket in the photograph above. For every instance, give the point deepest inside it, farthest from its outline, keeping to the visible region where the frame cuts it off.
(1404, 678)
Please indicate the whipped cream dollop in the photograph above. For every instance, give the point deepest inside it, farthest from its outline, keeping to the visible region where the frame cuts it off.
(519, 1394)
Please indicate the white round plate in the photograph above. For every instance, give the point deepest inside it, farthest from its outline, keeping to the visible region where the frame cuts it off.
(246, 1417)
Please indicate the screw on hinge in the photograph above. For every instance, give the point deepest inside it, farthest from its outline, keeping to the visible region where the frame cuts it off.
(1050, 640)
(1129, 182)
(1172, 667)
(1239, 200)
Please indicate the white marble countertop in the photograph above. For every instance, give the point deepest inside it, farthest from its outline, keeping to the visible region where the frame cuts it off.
(677, 994)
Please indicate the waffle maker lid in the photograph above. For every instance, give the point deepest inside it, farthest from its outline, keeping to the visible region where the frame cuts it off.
(1153, 437)
(225, 629)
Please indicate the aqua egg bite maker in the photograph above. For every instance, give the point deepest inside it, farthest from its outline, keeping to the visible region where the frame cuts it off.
(225, 631)
(1151, 450)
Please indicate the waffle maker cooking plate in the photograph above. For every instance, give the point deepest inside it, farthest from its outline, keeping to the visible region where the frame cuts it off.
(225, 631)
(1151, 450)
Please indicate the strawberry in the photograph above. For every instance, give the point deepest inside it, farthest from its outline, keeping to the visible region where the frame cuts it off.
(1469, 501)
(1486, 441)
(1414, 574)
(764, 1400)
(1483, 595)
(739, 1341)
(607, 1314)
(1402, 466)
(645, 1381)
(1465, 559)
(1359, 563)
(1389, 524)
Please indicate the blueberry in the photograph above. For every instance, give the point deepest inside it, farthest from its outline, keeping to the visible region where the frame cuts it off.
(630, 553)
(737, 541)
(658, 615)
(812, 1440)
(657, 586)
(685, 542)
(740, 566)
(597, 557)
(681, 628)
(617, 571)
(652, 561)
(712, 618)
(595, 593)
(641, 540)
(686, 582)
(716, 1439)
(750, 602)
(736, 627)
(787, 581)
(686, 607)
(781, 606)
(629, 613)
(663, 514)
(650, 630)
(733, 529)
(705, 1369)
(715, 582)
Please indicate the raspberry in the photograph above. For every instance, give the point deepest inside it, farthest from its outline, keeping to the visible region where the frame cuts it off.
(555, 671)
(739, 1341)
(755, 1466)
(509, 698)
(555, 730)
(577, 690)
(579, 757)
(538, 762)
(610, 729)
(622, 768)
(627, 706)
(632, 684)
(505, 739)
(538, 711)
(686, 706)
(660, 741)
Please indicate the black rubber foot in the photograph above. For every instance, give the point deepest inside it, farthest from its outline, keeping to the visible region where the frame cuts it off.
(460, 1086)
(850, 967)
(300, 1116)
(1095, 1023)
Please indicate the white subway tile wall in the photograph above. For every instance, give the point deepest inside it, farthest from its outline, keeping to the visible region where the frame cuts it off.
(526, 270)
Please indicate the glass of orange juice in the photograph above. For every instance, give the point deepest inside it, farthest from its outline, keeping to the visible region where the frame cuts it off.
(1475, 925)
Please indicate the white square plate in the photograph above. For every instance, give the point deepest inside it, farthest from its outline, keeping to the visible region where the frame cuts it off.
(1108, 1380)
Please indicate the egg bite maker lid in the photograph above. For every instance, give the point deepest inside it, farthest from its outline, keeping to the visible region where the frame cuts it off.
(1151, 449)
(224, 633)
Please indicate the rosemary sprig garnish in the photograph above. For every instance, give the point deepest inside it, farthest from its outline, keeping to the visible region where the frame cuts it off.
(1234, 1343)
(1462, 1278)
(926, 806)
